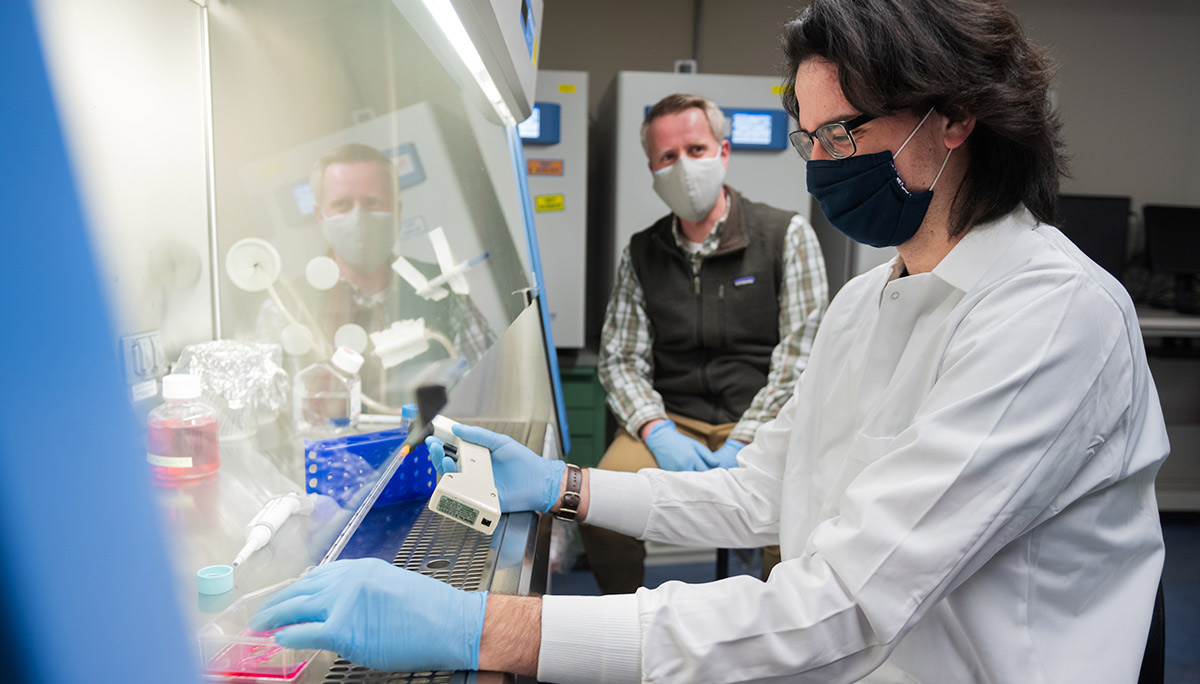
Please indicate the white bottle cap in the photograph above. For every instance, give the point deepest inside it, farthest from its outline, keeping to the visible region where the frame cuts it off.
(347, 359)
(181, 386)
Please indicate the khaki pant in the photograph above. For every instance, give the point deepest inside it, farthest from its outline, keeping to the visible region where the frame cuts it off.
(618, 561)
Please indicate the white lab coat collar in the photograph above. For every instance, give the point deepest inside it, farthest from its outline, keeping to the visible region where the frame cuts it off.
(982, 247)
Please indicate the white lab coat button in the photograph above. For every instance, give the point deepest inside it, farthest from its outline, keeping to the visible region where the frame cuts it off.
(895, 295)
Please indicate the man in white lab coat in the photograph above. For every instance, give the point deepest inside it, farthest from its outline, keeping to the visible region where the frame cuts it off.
(962, 484)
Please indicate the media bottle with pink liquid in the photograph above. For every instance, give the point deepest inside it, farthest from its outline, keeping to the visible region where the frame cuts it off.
(181, 443)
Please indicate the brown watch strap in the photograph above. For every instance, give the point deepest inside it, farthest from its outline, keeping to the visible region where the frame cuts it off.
(569, 505)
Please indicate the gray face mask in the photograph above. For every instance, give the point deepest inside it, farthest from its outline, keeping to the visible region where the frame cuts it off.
(362, 239)
(690, 187)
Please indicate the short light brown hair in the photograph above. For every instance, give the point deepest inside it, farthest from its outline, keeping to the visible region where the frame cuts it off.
(348, 154)
(678, 103)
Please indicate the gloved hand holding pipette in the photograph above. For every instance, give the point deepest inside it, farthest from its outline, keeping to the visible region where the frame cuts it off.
(273, 514)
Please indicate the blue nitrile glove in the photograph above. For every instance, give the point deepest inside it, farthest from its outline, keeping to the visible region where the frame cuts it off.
(524, 480)
(675, 451)
(375, 614)
(726, 456)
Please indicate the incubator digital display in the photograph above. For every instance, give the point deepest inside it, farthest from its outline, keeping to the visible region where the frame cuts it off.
(531, 128)
(305, 201)
(751, 129)
(757, 129)
(543, 125)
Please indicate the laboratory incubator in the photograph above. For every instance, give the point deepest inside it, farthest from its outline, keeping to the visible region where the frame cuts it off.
(330, 193)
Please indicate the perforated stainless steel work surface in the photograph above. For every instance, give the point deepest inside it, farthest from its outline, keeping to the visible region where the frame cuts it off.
(448, 551)
(343, 672)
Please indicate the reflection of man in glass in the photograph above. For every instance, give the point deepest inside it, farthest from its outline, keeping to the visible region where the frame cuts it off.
(357, 208)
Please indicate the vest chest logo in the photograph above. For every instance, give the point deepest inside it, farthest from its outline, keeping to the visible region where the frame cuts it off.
(744, 280)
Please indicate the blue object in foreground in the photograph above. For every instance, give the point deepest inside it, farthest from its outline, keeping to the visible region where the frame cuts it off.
(86, 575)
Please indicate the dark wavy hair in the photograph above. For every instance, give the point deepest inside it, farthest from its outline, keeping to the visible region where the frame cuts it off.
(961, 57)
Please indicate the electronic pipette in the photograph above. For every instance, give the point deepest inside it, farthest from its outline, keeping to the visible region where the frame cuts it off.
(468, 496)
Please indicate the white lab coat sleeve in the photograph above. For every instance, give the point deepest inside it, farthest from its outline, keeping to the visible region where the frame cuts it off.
(736, 507)
(1004, 429)
(618, 501)
(589, 639)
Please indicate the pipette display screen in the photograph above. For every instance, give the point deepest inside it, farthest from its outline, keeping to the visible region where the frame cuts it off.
(457, 510)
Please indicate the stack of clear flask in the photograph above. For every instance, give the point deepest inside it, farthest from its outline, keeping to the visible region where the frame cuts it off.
(327, 396)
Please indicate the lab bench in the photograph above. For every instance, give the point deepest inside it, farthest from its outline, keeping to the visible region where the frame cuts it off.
(1173, 350)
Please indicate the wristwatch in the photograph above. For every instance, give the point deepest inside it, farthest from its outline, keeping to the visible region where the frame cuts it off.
(569, 509)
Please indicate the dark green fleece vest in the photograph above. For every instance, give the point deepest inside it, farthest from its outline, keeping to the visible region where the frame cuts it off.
(714, 330)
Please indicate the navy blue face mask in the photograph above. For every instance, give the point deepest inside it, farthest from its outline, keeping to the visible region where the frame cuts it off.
(863, 196)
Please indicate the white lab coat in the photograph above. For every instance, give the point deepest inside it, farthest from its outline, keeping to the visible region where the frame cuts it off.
(962, 487)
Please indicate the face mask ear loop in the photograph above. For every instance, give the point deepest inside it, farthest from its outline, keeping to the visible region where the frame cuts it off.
(939, 174)
(910, 135)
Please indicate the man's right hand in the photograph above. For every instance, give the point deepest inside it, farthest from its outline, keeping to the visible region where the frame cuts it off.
(675, 451)
(524, 480)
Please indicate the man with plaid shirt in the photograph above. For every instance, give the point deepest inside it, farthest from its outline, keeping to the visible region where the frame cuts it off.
(710, 322)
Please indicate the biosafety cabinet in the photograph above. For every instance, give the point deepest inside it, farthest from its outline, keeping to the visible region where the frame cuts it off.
(202, 135)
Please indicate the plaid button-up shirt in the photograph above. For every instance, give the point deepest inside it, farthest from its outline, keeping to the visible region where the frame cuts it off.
(626, 366)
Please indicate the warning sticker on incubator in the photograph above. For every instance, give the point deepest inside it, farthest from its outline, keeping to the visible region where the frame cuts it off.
(548, 203)
(545, 167)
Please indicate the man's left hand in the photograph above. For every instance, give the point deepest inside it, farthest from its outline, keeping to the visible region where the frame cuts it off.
(726, 456)
(375, 614)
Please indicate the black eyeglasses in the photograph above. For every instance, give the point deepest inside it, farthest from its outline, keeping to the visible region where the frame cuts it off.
(835, 138)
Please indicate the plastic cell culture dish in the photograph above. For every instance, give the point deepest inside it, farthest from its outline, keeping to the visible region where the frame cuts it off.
(247, 660)
(233, 652)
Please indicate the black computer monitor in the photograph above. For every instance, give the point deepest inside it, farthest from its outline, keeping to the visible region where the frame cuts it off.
(1099, 227)
(1173, 246)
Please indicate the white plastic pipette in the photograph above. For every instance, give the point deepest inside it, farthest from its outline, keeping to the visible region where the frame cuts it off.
(273, 514)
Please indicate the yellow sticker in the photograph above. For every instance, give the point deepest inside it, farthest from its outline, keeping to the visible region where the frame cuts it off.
(548, 203)
(566, 87)
(776, 90)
